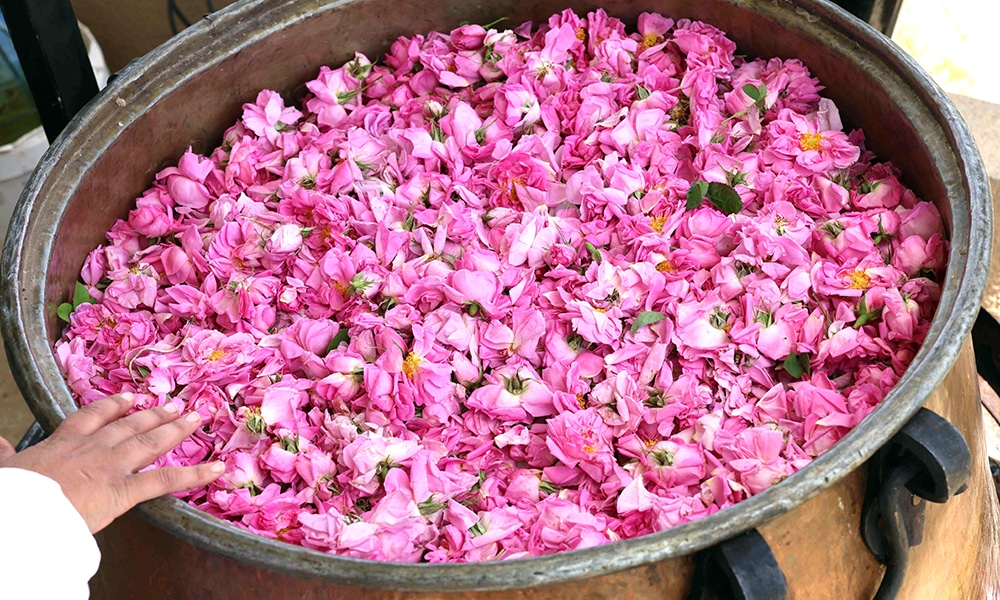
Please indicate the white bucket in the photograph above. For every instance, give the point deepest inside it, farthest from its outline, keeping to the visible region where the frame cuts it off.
(18, 159)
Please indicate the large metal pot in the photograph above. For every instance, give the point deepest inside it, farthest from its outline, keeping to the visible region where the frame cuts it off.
(186, 92)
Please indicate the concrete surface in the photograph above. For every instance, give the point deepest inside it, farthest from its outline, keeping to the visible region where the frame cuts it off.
(954, 41)
(15, 418)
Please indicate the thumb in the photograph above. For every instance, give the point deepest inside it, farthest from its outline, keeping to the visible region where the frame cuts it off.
(6, 450)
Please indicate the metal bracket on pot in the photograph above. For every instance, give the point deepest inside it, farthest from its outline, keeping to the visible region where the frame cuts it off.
(995, 474)
(927, 460)
(741, 568)
(31, 437)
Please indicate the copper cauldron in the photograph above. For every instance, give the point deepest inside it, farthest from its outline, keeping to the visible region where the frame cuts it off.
(187, 91)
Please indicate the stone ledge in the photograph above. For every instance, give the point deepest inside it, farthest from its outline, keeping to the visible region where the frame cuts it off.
(983, 119)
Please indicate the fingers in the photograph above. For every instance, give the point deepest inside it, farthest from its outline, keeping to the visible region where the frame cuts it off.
(142, 449)
(97, 414)
(157, 482)
(139, 422)
(6, 449)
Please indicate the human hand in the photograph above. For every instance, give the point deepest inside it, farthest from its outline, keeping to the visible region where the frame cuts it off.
(96, 452)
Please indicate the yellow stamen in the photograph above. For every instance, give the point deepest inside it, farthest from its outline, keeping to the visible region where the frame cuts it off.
(581, 401)
(665, 266)
(216, 354)
(512, 188)
(657, 223)
(860, 280)
(600, 310)
(811, 141)
(581, 34)
(341, 287)
(678, 111)
(650, 40)
(651, 443)
(410, 364)
(589, 449)
(780, 225)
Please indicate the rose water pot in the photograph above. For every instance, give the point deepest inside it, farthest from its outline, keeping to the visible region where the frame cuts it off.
(801, 539)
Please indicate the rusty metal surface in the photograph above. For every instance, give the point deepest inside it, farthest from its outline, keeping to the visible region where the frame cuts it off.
(186, 92)
(963, 568)
(152, 565)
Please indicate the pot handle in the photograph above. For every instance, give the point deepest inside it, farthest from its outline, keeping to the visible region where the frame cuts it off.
(31, 437)
(927, 460)
(740, 568)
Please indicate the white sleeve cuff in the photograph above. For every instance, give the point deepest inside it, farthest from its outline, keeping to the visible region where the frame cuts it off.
(46, 548)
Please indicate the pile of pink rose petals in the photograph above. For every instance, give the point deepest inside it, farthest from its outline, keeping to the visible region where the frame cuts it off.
(513, 292)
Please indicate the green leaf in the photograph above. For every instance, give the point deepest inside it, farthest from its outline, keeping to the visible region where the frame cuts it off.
(64, 310)
(881, 235)
(81, 295)
(575, 341)
(641, 92)
(724, 197)
(428, 507)
(757, 94)
(833, 228)
(358, 284)
(793, 367)
(290, 444)
(341, 338)
(595, 253)
(437, 134)
(647, 317)
(863, 320)
(735, 178)
(865, 315)
(764, 317)
(696, 194)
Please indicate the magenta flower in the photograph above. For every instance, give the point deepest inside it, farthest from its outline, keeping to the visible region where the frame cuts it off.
(582, 439)
(511, 395)
(369, 454)
(563, 525)
(800, 140)
(242, 471)
(268, 115)
(214, 356)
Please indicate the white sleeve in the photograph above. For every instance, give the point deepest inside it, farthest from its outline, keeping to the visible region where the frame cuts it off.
(46, 549)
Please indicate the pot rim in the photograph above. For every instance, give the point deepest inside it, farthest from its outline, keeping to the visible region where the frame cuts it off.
(37, 216)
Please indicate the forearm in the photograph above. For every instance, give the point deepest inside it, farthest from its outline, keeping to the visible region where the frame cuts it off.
(46, 548)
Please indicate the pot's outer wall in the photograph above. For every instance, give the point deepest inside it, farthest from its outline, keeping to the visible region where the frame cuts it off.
(189, 90)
